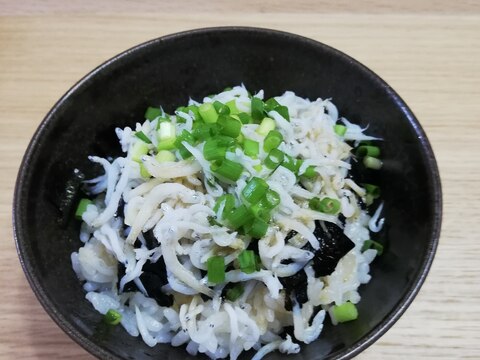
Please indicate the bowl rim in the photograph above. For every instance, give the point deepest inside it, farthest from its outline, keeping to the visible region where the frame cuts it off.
(390, 319)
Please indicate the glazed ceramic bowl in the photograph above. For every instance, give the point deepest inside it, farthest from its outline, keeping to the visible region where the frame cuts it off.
(168, 71)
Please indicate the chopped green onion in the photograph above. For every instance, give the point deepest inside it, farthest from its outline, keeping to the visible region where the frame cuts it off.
(247, 261)
(369, 244)
(234, 293)
(369, 199)
(258, 262)
(271, 104)
(216, 269)
(143, 137)
(340, 130)
(227, 170)
(195, 112)
(258, 229)
(203, 131)
(372, 163)
(345, 312)
(251, 147)
(82, 207)
(166, 136)
(112, 317)
(274, 159)
(272, 140)
(214, 150)
(272, 199)
(152, 113)
(245, 118)
(310, 172)
(226, 141)
(283, 111)
(258, 167)
(232, 105)
(373, 190)
(261, 211)
(220, 108)
(138, 150)
(257, 109)
(229, 126)
(326, 205)
(165, 156)
(228, 201)
(314, 203)
(167, 144)
(255, 190)
(239, 217)
(265, 127)
(144, 172)
(368, 150)
(208, 113)
(291, 164)
(160, 120)
(187, 137)
(240, 138)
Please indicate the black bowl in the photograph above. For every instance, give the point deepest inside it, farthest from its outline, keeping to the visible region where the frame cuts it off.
(168, 71)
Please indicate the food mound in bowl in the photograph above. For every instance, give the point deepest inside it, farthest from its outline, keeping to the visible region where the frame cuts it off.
(234, 224)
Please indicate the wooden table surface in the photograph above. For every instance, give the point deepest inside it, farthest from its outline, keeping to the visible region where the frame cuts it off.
(429, 51)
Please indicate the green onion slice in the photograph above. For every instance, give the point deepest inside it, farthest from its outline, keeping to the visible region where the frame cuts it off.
(340, 130)
(255, 190)
(239, 217)
(229, 126)
(234, 293)
(216, 269)
(82, 207)
(141, 135)
(247, 261)
(258, 228)
(273, 139)
(227, 170)
(345, 312)
(326, 205)
(228, 201)
(368, 150)
(112, 317)
(251, 147)
(214, 150)
(369, 244)
(257, 109)
(152, 113)
(373, 190)
(372, 163)
(220, 108)
(208, 113)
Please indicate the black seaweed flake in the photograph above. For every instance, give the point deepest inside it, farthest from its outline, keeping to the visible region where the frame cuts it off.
(334, 245)
(153, 278)
(295, 287)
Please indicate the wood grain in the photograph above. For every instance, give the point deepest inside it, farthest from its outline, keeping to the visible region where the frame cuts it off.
(428, 51)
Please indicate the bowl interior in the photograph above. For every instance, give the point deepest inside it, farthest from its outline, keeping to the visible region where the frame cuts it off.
(167, 72)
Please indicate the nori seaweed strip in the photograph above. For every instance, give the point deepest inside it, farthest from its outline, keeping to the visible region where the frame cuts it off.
(334, 245)
(150, 240)
(295, 286)
(153, 278)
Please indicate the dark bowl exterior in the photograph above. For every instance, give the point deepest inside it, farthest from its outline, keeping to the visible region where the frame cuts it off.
(169, 70)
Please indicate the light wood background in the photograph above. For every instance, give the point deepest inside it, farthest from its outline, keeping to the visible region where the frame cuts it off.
(429, 51)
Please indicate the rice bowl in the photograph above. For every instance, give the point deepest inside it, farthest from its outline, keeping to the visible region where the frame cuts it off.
(160, 72)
